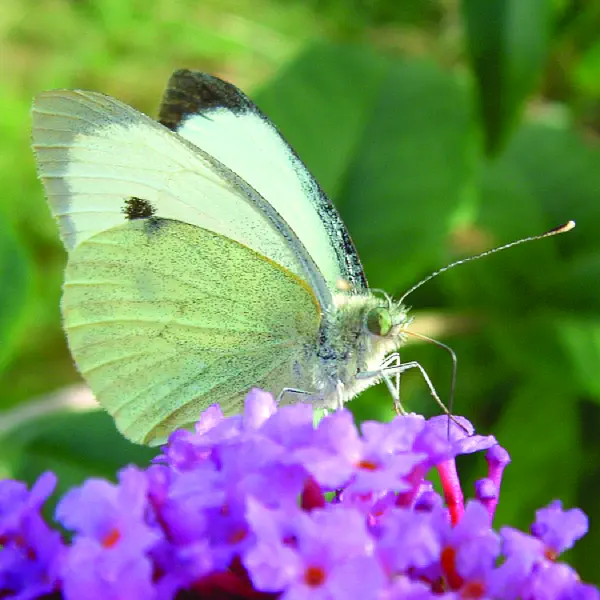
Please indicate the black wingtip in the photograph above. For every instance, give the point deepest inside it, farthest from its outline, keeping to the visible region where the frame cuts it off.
(193, 92)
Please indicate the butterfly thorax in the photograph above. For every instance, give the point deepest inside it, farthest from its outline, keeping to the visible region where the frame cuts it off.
(356, 333)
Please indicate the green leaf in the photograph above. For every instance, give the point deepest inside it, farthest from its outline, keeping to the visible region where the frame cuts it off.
(15, 278)
(586, 72)
(525, 281)
(507, 42)
(561, 170)
(581, 340)
(74, 445)
(540, 429)
(410, 174)
(586, 550)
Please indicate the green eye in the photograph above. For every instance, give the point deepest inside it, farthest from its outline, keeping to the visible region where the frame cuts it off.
(379, 321)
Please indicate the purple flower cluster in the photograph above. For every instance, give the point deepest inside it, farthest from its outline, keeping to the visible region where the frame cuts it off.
(265, 505)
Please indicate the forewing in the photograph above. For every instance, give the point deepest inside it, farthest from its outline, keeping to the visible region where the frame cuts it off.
(95, 154)
(164, 319)
(218, 118)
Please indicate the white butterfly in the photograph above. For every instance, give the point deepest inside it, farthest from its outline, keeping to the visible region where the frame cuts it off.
(204, 260)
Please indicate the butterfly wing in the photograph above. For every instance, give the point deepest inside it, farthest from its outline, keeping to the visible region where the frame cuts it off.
(95, 155)
(164, 318)
(215, 116)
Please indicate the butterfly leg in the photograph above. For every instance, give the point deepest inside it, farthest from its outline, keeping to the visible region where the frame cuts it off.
(393, 360)
(390, 372)
(339, 391)
(416, 365)
(285, 391)
(392, 380)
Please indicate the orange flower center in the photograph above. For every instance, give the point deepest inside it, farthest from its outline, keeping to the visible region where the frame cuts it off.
(473, 590)
(368, 465)
(111, 538)
(237, 535)
(551, 554)
(314, 576)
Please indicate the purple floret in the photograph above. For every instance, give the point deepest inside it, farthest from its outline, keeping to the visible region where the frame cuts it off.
(559, 529)
(17, 502)
(326, 554)
(31, 553)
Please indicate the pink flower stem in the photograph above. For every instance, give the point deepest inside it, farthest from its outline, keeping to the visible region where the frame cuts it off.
(452, 490)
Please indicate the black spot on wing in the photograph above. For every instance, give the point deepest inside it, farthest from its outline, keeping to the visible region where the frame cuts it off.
(138, 208)
(192, 92)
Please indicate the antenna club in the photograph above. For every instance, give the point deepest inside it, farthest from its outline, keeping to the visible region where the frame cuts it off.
(562, 228)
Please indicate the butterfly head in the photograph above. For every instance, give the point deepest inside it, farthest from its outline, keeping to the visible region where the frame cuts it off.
(386, 319)
(379, 321)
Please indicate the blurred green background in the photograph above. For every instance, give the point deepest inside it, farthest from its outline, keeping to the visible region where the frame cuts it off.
(440, 128)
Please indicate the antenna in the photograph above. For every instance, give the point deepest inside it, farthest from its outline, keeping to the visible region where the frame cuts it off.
(557, 230)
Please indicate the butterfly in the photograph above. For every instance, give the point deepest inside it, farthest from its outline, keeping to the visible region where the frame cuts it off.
(204, 260)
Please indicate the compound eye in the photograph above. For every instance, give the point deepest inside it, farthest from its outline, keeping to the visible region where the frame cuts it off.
(379, 321)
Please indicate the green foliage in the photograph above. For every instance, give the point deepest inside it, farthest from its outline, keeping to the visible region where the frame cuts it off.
(425, 164)
(507, 42)
(14, 281)
(74, 445)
